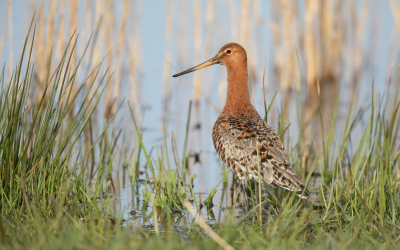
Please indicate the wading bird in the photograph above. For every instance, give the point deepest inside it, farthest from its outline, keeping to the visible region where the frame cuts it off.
(244, 141)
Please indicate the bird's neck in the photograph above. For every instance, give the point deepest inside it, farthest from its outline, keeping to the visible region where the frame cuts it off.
(237, 99)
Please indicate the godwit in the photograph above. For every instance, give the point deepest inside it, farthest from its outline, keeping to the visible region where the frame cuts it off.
(241, 138)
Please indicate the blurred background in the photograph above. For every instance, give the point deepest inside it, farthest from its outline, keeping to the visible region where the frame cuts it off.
(311, 54)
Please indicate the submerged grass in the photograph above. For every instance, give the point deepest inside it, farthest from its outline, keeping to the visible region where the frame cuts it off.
(50, 198)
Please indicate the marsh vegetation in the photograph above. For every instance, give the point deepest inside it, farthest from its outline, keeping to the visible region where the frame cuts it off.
(89, 162)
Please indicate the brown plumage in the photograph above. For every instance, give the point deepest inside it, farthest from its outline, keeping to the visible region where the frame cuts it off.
(241, 138)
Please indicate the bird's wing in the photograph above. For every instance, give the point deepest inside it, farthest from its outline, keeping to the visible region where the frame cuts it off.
(246, 144)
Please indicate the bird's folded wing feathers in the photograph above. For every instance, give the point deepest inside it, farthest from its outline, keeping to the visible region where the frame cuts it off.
(245, 143)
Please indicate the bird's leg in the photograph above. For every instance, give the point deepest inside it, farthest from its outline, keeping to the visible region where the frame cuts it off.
(257, 195)
(245, 200)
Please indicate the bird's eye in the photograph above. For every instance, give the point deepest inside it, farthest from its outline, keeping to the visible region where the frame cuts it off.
(228, 51)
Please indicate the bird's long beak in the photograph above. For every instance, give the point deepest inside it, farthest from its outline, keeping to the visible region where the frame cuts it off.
(212, 61)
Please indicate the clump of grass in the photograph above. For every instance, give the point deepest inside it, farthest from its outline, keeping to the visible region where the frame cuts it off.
(168, 183)
(44, 172)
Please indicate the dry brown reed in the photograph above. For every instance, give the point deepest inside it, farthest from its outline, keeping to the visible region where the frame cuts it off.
(323, 36)
(109, 28)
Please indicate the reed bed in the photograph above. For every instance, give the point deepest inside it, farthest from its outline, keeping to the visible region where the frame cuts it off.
(66, 160)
